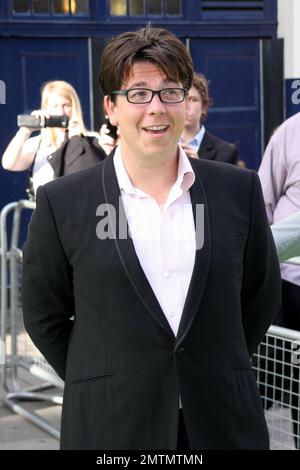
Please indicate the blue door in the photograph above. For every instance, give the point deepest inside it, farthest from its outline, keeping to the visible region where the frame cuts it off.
(232, 67)
(26, 64)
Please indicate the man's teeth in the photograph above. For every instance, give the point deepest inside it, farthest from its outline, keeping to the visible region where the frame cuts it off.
(155, 128)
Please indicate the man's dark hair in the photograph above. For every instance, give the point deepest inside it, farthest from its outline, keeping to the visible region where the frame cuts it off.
(156, 45)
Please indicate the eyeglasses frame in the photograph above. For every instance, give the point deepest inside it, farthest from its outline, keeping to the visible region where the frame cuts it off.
(154, 92)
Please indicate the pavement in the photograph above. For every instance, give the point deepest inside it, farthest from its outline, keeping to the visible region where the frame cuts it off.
(18, 433)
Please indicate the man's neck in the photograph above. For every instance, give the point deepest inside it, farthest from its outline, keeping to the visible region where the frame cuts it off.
(189, 134)
(155, 179)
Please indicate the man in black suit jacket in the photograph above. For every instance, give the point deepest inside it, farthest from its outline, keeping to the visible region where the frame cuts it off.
(195, 140)
(166, 319)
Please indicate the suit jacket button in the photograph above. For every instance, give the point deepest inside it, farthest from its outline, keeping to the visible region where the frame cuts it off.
(180, 350)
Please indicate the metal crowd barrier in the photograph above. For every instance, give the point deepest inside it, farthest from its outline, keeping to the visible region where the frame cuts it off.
(17, 350)
(277, 367)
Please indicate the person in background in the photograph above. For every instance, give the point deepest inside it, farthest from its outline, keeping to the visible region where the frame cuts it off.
(153, 331)
(195, 140)
(37, 153)
(279, 173)
(108, 136)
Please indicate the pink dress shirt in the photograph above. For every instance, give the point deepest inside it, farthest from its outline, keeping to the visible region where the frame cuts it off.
(163, 236)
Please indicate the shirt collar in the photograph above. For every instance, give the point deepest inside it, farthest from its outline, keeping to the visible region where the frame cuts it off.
(122, 176)
(196, 141)
(185, 175)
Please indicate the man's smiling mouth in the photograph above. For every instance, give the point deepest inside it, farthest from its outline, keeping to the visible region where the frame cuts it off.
(156, 129)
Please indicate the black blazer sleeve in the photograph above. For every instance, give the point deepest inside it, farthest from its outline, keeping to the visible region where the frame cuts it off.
(47, 296)
(261, 288)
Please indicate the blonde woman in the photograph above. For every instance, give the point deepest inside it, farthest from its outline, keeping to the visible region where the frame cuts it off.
(58, 98)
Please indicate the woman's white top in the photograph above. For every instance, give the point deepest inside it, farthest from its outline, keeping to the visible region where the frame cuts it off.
(42, 170)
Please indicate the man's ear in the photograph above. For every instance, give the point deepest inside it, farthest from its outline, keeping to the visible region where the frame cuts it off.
(110, 108)
(204, 111)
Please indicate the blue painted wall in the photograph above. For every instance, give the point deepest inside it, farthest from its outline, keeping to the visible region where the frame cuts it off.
(233, 70)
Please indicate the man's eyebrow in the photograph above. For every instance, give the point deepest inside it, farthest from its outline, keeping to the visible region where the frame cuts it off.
(138, 84)
(144, 84)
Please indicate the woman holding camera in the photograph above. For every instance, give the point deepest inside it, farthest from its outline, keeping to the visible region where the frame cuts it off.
(109, 136)
(25, 152)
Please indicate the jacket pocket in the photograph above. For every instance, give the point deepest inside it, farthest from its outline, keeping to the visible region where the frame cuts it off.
(93, 378)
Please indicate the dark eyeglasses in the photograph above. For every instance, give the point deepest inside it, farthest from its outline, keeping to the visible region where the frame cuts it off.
(145, 95)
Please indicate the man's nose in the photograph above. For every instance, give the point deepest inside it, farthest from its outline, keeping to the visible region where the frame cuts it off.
(156, 105)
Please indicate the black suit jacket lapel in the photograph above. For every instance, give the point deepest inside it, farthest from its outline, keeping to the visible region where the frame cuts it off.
(202, 257)
(69, 151)
(125, 247)
(207, 147)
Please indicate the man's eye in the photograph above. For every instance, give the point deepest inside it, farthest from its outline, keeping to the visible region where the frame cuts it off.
(171, 93)
(138, 94)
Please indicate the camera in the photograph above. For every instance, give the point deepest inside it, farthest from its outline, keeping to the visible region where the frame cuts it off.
(37, 122)
(112, 129)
